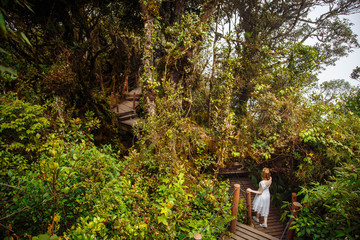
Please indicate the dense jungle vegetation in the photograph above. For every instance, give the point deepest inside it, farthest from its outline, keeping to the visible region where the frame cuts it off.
(222, 81)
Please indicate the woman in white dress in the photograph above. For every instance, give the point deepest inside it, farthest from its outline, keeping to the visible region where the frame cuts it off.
(261, 204)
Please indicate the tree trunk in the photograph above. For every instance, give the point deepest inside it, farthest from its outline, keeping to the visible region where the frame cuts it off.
(148, 80)
(212, 77)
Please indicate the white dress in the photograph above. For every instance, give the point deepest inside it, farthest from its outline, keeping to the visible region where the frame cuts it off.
(261, 202)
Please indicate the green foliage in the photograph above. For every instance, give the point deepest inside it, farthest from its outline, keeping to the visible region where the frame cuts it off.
(186, 210)
(251, 108)
(170, 147)
(352, 102)
(333, 139)
(22, 129)
(309, 139)
(355, 73)
(333, 89)
(59, 79)
(332, 210)
(181, 42)
(76, 188)
(7, 34)
(172, 137)
(272, 125)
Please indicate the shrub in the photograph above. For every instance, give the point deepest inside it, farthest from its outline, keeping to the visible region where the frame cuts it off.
(331, 211)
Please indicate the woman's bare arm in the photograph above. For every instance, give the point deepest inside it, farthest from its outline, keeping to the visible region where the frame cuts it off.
(257, 192)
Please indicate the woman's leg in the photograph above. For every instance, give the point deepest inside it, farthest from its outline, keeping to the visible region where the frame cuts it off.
(256, 219)
(264, 224)
(265, 220)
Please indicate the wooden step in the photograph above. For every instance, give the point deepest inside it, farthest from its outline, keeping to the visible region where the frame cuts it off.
(127, 117)
(124, 107)
(131, 98)
(138, 91)
(245, 232)
(275, 226)
(130, 122)
(125, 113)
(236, 172)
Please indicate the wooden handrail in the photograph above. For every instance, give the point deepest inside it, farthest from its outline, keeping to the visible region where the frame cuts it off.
(294, 211)
(117, 101)
(112, 100)
(293, 197)
(134, 101)
(126, 86)
(248, 199)
(197, 236)
(235, 205)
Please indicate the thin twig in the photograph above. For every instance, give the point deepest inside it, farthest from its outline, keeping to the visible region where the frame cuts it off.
(25, 208)
(7, 228)
(6, 185)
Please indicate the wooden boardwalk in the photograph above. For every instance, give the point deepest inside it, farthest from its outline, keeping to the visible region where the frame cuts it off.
(275, 226)
(125, 111)
(244, 232)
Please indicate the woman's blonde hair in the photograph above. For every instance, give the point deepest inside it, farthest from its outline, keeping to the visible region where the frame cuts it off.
(265, 175)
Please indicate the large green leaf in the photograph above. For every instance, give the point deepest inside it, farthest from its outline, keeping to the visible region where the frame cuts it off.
(7, 70)
(2, 25)
(23, 36)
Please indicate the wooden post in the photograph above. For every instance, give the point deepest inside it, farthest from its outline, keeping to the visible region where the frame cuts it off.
(126, 85)
(112, 100)
(113, 83)
(293, 197)
(197, 236)
(117, 101)
(295, 208)
(235, 206)
(134, 101)
(102, 84)
(248, 199)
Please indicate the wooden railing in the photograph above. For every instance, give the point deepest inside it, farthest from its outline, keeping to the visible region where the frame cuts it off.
(234, 209)
(294, 211)
(114, 97)
(248, 200)
(288, 233)
(126, 86)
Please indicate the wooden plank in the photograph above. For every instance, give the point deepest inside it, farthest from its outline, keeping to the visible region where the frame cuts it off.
(125, 106)
(234, 236)
(137, 90)
(130, 122)
(249, 234)
(240, 225)
(275, 231)
(269, 230)
(271, 221)
(127, 117)
(233, 171)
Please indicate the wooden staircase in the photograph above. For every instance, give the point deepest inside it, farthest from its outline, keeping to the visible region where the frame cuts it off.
(254, 231)
(126, 110)
(245, 232)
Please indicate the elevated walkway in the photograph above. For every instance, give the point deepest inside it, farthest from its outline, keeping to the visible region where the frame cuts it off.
(244, 232)
(275, 226)
(126, 110)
